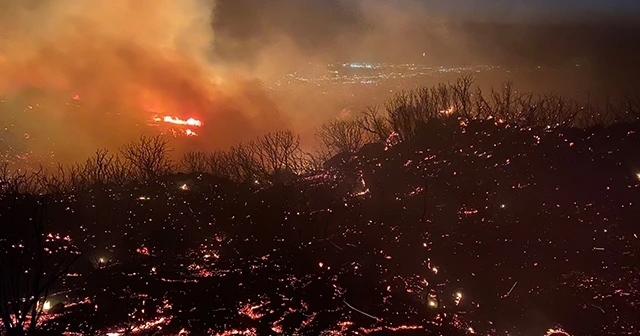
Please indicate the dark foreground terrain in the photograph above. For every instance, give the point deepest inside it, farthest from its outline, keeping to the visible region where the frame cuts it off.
(470, 228)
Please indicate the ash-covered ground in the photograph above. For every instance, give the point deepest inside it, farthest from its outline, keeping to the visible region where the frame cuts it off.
(473, 227)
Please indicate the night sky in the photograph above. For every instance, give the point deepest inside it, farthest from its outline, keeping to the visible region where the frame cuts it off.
(353, 29)
(523, 11)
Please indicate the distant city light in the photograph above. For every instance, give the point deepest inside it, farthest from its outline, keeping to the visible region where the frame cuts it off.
(360, 66)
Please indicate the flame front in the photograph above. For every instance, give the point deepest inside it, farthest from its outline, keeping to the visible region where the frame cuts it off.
(192, 122)
(178, 121)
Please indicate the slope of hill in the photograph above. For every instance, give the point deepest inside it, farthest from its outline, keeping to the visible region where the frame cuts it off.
(470, 227)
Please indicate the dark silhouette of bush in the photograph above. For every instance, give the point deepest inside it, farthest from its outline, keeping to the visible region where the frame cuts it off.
(409, 111)
(31, 262)
(421, 115)
(148, 157)
(340, 136)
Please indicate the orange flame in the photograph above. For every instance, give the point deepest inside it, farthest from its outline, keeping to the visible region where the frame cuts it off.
(178, 121)
(181, 122)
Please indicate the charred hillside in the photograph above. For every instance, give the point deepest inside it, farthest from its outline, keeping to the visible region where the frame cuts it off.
(467, 226)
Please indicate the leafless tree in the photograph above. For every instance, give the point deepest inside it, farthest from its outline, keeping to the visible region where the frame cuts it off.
(312, 162)
(276, 154)
(31, 262)
(194, 162)
(481, 108)
(631, 108)
(15, 182)
(148, 156)
(556, 111)
(55, 182)
(407, 110)
(375, 124)
(243, 165)
(504, 102)
(120, 172)
(64, 179)
(462, 97)
(341, 136)
(221, 164)
(594, 114)
(99, 167)
(403, 115)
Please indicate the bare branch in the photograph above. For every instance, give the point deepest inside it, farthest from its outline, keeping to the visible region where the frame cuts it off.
(148, 157)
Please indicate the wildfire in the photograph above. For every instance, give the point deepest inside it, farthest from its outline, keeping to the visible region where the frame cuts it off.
(448, 111)
(556, 332)
(178, 121)
(250, 311)
(191, 122)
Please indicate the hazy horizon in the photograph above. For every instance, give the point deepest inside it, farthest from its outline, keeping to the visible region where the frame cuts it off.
(128, 63)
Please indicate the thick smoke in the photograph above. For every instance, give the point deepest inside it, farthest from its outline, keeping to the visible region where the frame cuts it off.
(95, 73)
(126, 59)
(279, 33)
(585, 43)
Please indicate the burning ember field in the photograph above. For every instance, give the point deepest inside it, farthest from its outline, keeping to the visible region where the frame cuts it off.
(489, 230)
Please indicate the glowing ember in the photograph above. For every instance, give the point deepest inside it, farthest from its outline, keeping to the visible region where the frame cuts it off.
(458, 298)
(191, 133)
(46, 306)
(250, 311)
(157, 323)
(556, 332)
(150, 324)
(247, 332)
(448, 111)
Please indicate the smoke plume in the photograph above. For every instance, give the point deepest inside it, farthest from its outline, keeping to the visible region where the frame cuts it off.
(95, 73)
